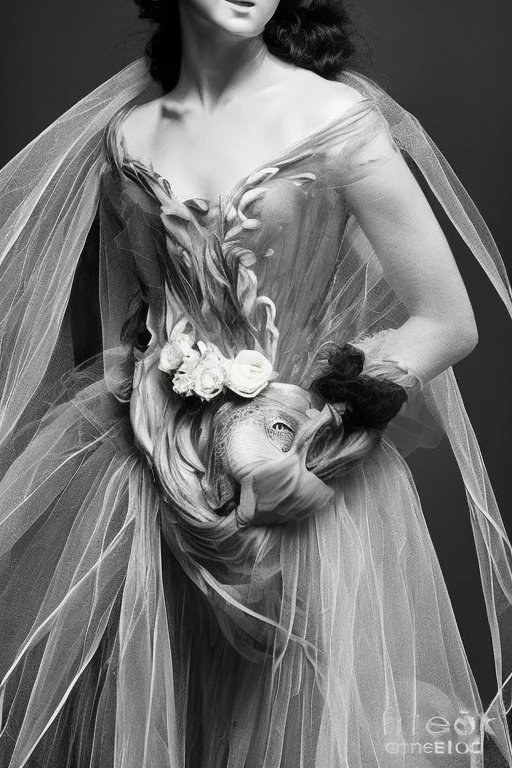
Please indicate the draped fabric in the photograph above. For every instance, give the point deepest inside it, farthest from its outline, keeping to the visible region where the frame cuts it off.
(135, 632)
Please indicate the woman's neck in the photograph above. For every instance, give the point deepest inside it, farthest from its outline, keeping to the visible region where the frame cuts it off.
(216, 66)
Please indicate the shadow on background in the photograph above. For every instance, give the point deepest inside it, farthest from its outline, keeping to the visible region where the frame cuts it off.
(445, 62)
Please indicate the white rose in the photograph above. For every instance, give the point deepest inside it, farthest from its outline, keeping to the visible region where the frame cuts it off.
(175, 352)
(249, 373)
(209, 375)
(191, 358)
(183, 384)
(170, 358)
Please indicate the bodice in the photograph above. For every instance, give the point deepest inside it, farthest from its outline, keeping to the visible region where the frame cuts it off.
(288, 221)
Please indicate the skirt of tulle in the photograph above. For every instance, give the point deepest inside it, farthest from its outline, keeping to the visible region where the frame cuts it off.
(335, 646)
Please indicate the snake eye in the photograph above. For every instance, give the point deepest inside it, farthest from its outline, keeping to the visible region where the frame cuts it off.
(281, 434)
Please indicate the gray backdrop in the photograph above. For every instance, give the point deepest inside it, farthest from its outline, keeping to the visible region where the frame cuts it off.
(444, 60)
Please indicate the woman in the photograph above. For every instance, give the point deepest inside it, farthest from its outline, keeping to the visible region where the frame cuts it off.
(217, 545)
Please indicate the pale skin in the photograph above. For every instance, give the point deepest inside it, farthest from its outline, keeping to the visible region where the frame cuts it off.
(236, 105)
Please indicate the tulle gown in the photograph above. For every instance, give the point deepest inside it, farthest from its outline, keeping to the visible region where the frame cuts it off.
(128, 638)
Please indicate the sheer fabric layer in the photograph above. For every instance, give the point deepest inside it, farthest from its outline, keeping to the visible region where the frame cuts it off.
(334, 636)
(320, 690)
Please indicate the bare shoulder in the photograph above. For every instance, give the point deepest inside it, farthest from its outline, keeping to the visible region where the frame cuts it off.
(139, 125)
(323, 99)
(340, 97)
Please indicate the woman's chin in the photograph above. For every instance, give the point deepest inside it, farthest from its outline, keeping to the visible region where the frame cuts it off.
(239, 18)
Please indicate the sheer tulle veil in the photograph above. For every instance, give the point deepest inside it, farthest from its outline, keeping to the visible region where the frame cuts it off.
(49, 197)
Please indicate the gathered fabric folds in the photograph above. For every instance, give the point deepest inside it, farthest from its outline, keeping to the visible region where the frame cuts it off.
(160, 674)
(329, 641)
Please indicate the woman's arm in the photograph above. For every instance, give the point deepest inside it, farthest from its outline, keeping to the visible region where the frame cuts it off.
(418, 264)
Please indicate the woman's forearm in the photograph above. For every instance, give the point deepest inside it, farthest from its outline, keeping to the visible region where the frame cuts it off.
(426, 346)
(429, 347)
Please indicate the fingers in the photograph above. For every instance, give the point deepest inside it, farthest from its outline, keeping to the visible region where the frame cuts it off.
(308, 430)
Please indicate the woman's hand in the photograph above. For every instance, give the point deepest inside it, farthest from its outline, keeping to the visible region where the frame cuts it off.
(282, 488)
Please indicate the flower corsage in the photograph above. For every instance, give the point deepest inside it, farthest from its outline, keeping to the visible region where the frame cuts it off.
(199, 368)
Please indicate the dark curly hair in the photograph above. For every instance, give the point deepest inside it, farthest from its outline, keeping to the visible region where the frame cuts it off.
(313, 34)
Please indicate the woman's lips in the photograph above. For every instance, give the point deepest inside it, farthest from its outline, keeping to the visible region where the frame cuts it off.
(241, 3)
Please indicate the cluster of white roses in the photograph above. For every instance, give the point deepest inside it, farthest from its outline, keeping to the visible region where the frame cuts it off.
(201, 369)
